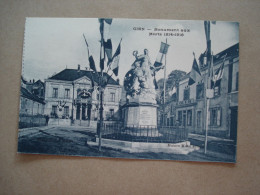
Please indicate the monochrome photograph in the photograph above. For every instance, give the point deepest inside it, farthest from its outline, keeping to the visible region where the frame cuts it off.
(130, 88)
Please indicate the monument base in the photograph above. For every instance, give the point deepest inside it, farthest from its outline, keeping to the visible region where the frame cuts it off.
(141, 115)
(142, 132)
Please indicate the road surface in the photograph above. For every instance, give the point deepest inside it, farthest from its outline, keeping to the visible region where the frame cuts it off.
(74, 141)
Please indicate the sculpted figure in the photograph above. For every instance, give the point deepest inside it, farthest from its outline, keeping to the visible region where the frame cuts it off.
(140, 80)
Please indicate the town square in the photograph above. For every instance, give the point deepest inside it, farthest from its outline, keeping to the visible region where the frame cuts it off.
(138, 89)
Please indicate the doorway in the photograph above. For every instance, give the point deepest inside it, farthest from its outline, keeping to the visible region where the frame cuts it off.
(233, 123)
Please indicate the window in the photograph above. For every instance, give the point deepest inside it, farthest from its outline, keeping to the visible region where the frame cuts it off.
(38, 109)
(161, 120)
(172, 109)
(35, 92)
(171, 121)
(189, 117)
(165, 120)
(54, 109)
(112, 97)
(179, 117)
(237, 81)
(186, 94)
(66, 110)
(55, 93)
(23, 103)
(67, 93)
(215, 117)
(217, 90)
(200, 91)
(41, 92)
(111, 112)
(78, 93)
(199, 119)
(184, 118)
(168, 122)
(230, 73)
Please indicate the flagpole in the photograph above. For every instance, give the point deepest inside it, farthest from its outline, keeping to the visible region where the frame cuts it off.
(164, 88)
(101, 109)
(207, 99)
(164, 82)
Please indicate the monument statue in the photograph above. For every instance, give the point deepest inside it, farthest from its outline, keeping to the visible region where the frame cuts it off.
(140, 86)
(139, 82)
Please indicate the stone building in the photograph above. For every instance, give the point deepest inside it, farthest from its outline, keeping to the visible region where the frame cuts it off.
(190, 106)
(64, 100)
(32, 102)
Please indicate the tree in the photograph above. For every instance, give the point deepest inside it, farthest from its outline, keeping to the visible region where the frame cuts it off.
(172, 81)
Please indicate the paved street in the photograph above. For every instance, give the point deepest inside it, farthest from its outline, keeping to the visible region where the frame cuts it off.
(74, 141)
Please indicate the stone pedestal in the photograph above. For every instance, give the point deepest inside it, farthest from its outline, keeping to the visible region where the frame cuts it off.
(141, 115)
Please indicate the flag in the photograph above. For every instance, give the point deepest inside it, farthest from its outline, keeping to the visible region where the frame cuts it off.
(114, 65)
(155, 82)
(90, 57)
(163, 51)
(173, 90)
(218, 74)
(92, 63)
(106, 44)
(108, 50)
(102, 55)
(195, 73)
(207, 30)
(211, 73)
(104, 28)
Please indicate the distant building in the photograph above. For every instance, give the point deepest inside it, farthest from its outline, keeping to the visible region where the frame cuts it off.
(63, 96)
(190, 111)
(31, 97)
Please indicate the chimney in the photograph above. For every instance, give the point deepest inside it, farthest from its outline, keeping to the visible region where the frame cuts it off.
(117, 80)
(78, 67)
(33, 81)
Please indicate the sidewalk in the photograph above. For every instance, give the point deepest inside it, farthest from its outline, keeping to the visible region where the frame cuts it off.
(215, 144)
(210, 138)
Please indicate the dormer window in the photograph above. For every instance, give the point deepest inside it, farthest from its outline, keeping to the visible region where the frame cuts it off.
(186, 94)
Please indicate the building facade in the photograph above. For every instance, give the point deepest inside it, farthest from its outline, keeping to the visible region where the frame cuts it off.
(64, 99)
(190, 107)
(31, 102)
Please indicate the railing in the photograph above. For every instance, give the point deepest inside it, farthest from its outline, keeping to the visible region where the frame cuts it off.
(144, 133)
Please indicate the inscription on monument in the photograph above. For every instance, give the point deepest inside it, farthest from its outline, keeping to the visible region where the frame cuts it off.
(146, 117)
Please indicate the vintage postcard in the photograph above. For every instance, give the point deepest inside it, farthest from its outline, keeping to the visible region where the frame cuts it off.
(130, 88)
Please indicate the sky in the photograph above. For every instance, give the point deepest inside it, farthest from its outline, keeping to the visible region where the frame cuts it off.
(53, 44)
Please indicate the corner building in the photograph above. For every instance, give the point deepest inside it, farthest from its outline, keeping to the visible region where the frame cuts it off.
(223, 107)
(65, 87)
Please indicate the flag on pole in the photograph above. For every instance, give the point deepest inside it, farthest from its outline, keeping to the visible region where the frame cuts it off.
(163, 51)
(195, 73)
(108, 50)
(211, 73)
(90, 57)
(102, 55)
(114, 65)
(207, 30)
(218, 74)
(104, 28)
(173, 90)
(106, 44)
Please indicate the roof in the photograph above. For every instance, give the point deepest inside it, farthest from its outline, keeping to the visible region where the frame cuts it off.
(231, 51)
(25, 93)
(73, 74)
(23, 80)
